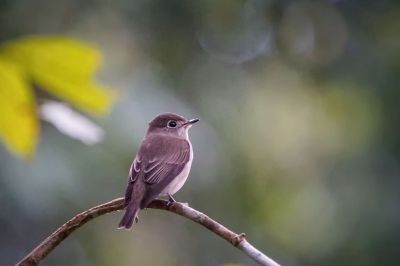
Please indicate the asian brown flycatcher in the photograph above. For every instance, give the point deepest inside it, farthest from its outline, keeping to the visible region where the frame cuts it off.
(161, 166)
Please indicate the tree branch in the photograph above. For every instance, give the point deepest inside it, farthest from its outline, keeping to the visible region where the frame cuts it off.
(52, 241)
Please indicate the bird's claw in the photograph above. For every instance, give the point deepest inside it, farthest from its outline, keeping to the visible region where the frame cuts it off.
(170, 200)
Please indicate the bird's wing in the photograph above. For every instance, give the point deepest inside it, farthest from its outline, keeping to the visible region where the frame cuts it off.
(132, 177)
(162, 160)
(134, 170)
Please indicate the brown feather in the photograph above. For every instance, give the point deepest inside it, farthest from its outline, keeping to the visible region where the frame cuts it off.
(162, 157)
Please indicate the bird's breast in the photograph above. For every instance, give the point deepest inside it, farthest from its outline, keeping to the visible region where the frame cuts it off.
(178, 182)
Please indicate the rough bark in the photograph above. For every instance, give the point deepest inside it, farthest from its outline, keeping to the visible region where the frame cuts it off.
(51, 242)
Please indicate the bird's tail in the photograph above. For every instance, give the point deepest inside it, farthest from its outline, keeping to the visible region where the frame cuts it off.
(131, 215)
(132, 206)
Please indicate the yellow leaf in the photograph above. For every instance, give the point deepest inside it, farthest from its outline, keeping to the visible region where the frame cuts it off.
(64, 67)
(18, 119)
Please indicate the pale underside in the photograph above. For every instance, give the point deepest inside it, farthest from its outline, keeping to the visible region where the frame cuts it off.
(178, 182)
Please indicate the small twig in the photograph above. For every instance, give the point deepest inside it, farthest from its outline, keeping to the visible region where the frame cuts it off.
(52, 241)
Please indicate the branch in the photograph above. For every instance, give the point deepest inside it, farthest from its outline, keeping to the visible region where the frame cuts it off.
(52, 241)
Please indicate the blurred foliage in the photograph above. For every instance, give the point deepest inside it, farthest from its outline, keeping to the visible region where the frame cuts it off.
(298, 144)
(18, 122)
(62, 66)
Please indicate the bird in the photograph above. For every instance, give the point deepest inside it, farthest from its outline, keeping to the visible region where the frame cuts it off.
(161, 165)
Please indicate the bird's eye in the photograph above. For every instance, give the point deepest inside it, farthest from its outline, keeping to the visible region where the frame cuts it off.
(172, 123)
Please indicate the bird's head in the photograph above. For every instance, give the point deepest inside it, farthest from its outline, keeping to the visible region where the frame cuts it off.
(171, 124)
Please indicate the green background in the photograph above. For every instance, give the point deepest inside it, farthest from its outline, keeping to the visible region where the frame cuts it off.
(298, 144)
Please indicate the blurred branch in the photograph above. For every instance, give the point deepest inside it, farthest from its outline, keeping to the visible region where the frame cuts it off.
(52, 241)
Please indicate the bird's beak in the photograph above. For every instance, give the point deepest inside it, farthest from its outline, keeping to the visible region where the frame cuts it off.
(192, 121)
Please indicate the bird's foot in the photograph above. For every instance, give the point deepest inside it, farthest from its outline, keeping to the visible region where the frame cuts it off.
(170, 200)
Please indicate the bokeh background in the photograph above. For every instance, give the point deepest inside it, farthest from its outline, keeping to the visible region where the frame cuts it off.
(298, 144)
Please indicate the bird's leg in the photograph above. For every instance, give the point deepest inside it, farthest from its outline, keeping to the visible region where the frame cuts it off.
(170, 199)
